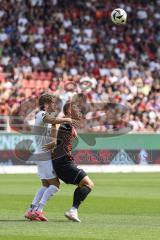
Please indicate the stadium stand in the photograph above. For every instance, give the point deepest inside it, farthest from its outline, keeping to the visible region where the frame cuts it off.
(77, 40)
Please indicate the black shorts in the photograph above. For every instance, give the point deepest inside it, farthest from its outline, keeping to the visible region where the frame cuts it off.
(68, 171)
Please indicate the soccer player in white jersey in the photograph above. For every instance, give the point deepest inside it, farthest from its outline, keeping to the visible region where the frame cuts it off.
(50, 182)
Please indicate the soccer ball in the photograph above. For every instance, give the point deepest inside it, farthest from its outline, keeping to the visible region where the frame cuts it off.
(119, 16)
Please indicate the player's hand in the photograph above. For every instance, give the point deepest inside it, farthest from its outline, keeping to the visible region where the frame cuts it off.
(49, 146)
(69, 120)
(75, 123)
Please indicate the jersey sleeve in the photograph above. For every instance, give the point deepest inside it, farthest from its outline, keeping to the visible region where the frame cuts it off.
(74, 134)
(43, 115)
(39, 117)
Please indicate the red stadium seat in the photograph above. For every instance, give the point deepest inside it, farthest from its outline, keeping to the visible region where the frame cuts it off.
(46, 84)
(25, 83)
(38, 84)
(28, 92)
(35, 75)
(32, 83)
(42, 76)
(2, 77)
(49, 75)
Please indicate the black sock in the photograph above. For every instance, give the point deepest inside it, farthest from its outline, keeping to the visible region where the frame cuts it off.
(79, 195)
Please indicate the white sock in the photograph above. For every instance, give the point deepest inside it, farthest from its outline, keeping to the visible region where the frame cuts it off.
(38, 196)
(73, 209)
(49, 192)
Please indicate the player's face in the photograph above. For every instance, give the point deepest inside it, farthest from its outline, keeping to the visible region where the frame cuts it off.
(51, 106)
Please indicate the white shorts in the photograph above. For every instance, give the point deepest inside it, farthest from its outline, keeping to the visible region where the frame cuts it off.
(46, 170)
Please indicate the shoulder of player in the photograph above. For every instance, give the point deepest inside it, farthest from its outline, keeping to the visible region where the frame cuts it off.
(40, 115)
(65, 126)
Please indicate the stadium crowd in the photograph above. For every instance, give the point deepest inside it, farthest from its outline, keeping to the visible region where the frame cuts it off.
(69, 47)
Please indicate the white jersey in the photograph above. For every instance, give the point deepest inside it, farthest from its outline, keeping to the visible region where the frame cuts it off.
(43, 133)
(43, 158)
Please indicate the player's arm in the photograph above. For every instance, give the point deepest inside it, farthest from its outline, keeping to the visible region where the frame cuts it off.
(52, 144)
(55, 120)
(75, 135)
(49, 146)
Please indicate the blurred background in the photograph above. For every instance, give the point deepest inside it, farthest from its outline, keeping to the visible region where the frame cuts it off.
(72, 47)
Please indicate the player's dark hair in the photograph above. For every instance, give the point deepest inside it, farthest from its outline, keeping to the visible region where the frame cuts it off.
(45, 99)
(66, 108)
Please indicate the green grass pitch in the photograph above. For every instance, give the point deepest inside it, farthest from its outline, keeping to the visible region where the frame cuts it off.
(121, 207)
